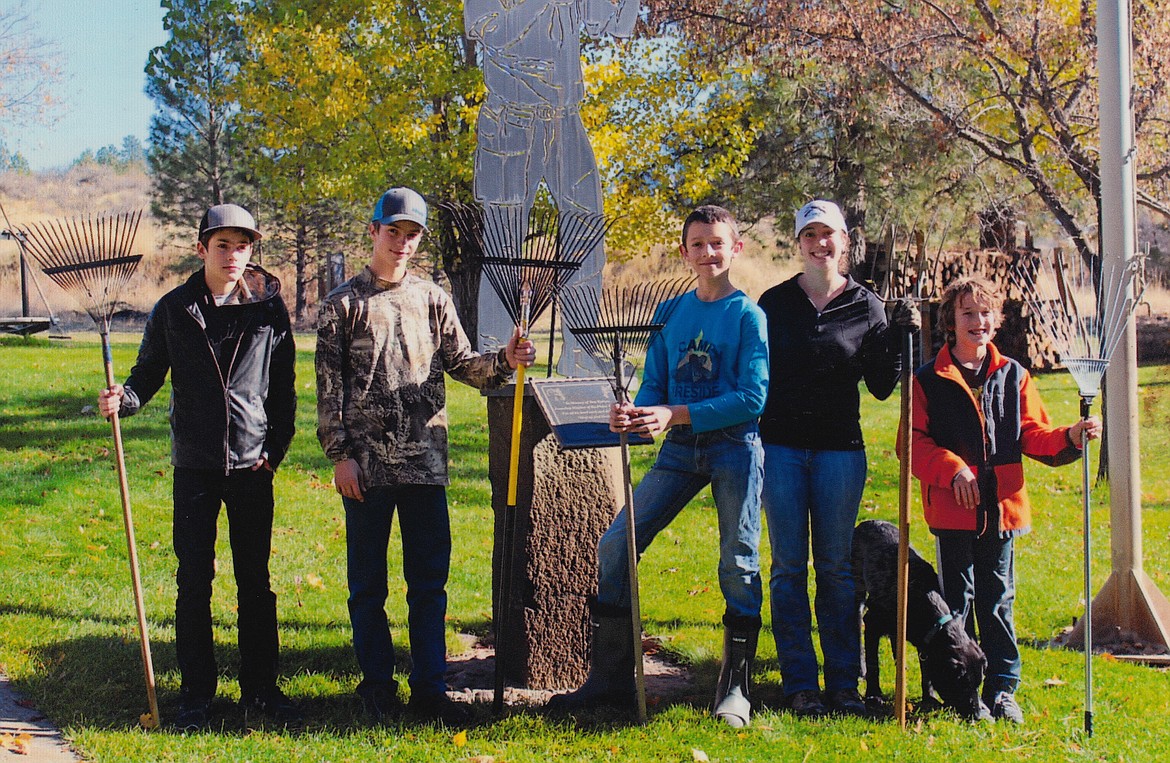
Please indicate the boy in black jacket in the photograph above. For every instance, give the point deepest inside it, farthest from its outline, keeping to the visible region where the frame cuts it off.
(225, 338)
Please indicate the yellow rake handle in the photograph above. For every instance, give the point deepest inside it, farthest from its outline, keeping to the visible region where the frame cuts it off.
(517, 421)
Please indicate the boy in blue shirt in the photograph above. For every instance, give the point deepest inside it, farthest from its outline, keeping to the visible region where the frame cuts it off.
(704, 384)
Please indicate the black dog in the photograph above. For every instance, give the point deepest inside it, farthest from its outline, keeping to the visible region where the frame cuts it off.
(951, 661)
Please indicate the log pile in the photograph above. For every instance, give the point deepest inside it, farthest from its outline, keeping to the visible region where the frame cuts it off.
(1019, 336)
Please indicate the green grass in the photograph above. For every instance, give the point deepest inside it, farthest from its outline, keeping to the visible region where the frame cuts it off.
(68, 636)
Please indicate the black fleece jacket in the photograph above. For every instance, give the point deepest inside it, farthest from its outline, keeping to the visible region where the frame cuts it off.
(817, 360)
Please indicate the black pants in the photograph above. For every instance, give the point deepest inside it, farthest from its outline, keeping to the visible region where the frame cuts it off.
(247, 494)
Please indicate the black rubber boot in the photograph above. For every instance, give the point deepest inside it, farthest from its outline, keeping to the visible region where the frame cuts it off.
(733, 702)
(611, 664)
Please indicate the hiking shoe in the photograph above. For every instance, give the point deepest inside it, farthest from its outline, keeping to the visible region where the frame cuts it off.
(275, 705)
(847, 702)
(193, 715)
(806, 703)
(1004, 708)
(381, 703)
(440, 708)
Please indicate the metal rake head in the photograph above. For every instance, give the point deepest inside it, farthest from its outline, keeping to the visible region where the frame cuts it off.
(621, 322)
(1083, 306)
(528, 259)
(909, 273)
(89, 257)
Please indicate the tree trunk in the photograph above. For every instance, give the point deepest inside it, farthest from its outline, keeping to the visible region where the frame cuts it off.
(460, 257)
(302, 255)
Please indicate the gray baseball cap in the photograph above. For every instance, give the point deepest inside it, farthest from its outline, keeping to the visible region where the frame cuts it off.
(400, 204)
(228, 216)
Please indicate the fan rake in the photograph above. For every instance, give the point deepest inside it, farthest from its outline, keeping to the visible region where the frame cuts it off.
(614, 327)
(90, 259)
(526, 283)
(1084, 307)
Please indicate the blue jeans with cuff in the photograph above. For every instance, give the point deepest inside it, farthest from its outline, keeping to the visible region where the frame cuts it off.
(814, 493)
(731, 460)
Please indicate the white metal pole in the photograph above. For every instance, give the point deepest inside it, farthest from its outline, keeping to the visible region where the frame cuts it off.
(1118, 246)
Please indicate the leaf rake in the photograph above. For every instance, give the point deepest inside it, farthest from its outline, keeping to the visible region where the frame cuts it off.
(90, 258)
(1084, 307)
(526, 283)
(613, 327)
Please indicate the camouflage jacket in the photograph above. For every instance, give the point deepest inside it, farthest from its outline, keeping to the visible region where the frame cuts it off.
(382, 349)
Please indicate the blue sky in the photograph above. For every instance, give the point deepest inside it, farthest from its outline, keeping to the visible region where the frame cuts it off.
(102, 47)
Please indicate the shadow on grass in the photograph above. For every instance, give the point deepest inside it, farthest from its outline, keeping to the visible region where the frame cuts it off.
(53, 419)
(97, 682)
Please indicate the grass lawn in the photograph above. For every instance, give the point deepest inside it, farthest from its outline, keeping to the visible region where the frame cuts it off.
(68, 633)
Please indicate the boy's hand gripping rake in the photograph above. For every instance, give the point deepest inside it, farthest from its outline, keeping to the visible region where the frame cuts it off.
(1084, 308)
(526, 283)
(90, 259)
(612, 328)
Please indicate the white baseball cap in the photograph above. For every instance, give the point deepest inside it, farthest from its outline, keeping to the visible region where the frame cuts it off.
(820, 211)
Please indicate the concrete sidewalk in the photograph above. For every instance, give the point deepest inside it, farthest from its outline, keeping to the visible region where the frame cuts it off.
(21, 724)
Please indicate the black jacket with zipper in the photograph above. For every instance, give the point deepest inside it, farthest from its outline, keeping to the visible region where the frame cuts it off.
(224, 415)
(818, 358)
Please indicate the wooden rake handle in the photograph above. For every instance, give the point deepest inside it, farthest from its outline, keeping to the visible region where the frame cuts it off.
(903, 572)
(128, 521)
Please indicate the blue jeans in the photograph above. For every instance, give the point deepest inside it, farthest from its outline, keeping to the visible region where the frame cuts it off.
(247, 494)
(732, 461)
(815, 492)
(426, 559)
(978, 574)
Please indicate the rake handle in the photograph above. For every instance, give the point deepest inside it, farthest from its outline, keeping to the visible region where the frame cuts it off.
(509, 532)
(1086, 408)
(635, 599)
(631, 539)
(903, 572)
(131, 546)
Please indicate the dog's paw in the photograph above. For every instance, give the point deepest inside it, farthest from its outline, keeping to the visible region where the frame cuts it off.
(930, 705)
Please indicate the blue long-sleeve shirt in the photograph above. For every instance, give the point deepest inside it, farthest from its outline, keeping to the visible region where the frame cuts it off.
(711, 357)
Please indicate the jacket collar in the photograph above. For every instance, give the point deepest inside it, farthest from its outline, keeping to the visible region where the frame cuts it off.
(946, 367)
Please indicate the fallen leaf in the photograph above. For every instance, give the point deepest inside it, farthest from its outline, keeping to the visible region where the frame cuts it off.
(460, 739)
(1053, 682)
(864, 746)
(20, 745)
(482, 759)
(148, 721)
(699, 756)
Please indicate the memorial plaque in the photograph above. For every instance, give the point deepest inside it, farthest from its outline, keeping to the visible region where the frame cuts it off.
(577, 411)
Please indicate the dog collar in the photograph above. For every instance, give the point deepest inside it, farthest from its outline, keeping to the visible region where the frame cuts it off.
(938, 626)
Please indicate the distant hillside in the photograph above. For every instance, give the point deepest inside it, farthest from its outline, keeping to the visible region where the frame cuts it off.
(85, 191)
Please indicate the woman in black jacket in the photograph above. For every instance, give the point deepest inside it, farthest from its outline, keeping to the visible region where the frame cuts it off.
(826, 332)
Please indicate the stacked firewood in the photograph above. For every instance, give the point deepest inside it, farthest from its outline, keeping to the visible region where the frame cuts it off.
(1020, 336)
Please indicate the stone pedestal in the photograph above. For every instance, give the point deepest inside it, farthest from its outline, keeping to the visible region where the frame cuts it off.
(566, 500)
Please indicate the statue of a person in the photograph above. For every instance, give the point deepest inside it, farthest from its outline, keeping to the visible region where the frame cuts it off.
(530, 127)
